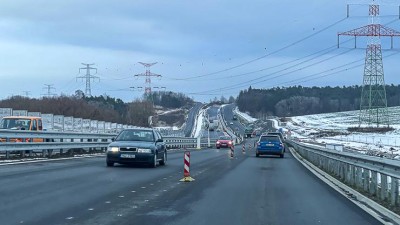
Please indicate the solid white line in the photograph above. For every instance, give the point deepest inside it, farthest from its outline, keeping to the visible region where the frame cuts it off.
(50, 160)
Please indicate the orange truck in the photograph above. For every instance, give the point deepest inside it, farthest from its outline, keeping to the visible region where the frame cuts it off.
(28, 123)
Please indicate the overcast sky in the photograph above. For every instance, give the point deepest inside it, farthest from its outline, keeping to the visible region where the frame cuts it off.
(203, 48)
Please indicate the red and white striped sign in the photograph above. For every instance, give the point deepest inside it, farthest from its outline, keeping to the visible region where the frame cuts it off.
(186, 169)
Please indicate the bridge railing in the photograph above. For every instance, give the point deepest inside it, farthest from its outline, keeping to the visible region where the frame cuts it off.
(378, 178)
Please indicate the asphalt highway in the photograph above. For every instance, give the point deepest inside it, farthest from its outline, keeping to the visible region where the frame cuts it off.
(215, 134)
(227, 113)
(191, 118)
(242, 190)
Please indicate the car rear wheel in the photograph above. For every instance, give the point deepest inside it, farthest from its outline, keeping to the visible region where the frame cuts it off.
(164, 160)
(257, 155)
(110, 164)
(218, 147)
(282, 155)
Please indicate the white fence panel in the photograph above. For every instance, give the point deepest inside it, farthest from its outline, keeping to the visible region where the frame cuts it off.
(48, 121)
(5, 112)
(20, 113)
(58, 123)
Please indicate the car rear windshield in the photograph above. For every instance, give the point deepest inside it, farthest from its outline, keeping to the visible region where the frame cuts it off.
(275, 133)
(269, 138)
(224, 138)
(136, 135)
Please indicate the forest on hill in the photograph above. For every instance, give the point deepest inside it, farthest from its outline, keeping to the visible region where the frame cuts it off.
(102, 108)
(299, 100)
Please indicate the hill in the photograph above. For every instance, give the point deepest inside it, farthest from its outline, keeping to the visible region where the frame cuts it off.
(298, 100)
(102, 108)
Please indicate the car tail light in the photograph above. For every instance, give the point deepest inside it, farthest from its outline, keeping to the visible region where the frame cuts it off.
(229, 143)
(218, 142)
(258, 143)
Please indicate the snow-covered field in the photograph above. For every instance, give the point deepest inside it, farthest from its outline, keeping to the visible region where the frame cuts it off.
(331, 128)
(245, 116)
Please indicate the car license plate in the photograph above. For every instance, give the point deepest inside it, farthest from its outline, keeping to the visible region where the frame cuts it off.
(128, 156)
(269, 145)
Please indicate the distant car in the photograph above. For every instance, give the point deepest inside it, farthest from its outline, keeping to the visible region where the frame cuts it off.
(270, 145)
(224, 142)
(279, 134)
(257, 133)
(138, 145)
(231, 123)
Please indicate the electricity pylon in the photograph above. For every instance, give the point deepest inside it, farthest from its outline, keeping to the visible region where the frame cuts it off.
(373, 104)
(88, 77)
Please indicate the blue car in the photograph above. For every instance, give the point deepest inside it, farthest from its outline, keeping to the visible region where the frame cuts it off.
(270, 145)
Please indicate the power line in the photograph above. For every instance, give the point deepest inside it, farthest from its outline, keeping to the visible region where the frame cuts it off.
(248, 82)
(315, 76)
(266, 55)
(259, 79)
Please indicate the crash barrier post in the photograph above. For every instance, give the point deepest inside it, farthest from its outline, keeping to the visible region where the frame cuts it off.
(198, 143)
(232, 152)
(243, 149)
(186, 168)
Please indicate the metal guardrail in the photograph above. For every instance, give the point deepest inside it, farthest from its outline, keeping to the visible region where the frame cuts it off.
(28, 142)
(376, 177)
(186, 142)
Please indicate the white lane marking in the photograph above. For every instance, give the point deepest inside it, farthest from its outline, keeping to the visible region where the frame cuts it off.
(164, 178)
(133, 191)
(90, 209)
(121, 196)
(134, 207)
(164, 190)
(69, 218)
(50, 160)
(108, 202)
(143, 187)
(146, 200)
(151, 184)
(156, 195)
(119, 215)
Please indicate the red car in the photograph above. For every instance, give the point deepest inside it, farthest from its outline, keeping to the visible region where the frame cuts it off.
(224, 142)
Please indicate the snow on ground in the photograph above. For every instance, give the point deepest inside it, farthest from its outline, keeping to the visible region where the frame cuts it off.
(168, 111)
(199, 123)
(331, 128)
(245, 116)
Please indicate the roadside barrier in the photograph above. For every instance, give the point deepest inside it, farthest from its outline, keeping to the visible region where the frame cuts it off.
(232, 153)
(186, 168)
(243, 149)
